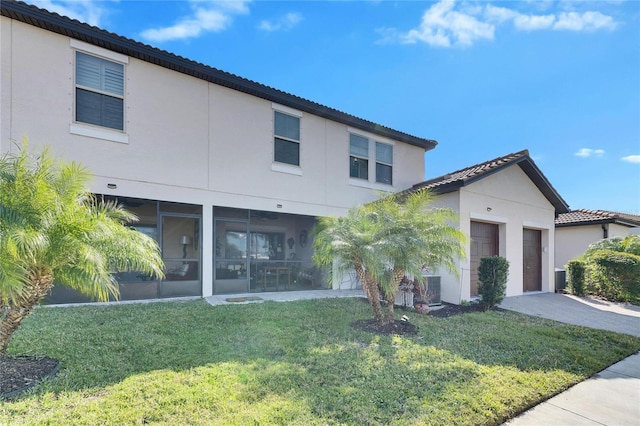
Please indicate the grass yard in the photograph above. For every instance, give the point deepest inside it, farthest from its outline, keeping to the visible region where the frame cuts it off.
(297, 363)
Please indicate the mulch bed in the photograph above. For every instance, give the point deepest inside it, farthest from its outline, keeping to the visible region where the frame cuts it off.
(19, 373)
(446, 310)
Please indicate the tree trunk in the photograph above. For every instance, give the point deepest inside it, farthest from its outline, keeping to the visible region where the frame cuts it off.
(371, 291)
(390, 297)
(39, 285)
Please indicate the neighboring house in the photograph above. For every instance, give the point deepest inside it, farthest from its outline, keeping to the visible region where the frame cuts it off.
(228, 175)
(577, 229)
(508, 208)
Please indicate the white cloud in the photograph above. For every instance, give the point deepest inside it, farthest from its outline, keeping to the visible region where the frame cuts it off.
(631, 159)
(206, 17)
(499, 14)
(448, 23)
(444, 27)
(86, 11)
(587, 21)
(588, 152)
(285, 23)
(533, 22)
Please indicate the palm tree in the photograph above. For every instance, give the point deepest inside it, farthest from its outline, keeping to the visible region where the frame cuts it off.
(412, 237)
(346, 244)
(52, 229)
(385, 240)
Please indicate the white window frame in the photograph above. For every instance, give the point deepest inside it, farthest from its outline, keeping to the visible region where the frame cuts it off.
(378, 161)
(372, 182)
(91, 130)
(294, 169)
(360, 157)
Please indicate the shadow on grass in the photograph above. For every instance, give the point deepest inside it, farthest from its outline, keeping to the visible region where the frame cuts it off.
(302, 361)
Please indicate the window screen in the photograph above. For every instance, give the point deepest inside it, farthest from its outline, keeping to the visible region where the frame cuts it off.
(287, 139)
(358, 160)
(384, 163)
(99, 91)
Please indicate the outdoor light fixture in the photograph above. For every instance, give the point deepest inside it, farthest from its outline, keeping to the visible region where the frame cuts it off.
(185, 240)
(112, 186)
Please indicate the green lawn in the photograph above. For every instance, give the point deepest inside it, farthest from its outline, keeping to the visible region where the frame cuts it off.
(297, 363)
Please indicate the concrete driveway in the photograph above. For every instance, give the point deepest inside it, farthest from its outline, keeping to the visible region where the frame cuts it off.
(610, 397)
(600, 314)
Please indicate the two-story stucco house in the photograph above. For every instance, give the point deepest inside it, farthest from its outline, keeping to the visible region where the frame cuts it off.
(227, 174)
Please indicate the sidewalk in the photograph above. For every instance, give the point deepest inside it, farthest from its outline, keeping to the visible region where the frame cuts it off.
(612, 396)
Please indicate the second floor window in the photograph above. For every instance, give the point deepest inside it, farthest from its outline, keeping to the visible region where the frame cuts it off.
(384, 163)
(286, 139)
(358, 157)
(99, 91)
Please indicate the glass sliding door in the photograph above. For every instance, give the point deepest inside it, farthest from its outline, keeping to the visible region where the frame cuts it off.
(181, 254)
(231, 260)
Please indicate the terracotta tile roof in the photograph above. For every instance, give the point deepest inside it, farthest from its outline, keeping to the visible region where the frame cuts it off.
(467, 173)
(59, 24)
(455, 180)
(590, 217)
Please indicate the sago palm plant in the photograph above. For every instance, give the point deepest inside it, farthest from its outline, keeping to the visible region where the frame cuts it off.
(413, 236)
(385, 240)
(54, 230)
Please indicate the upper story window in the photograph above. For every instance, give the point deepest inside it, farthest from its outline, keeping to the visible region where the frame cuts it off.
(370, 161)
(99, 91)
(286, 139)
(384, 163)
(358, 157)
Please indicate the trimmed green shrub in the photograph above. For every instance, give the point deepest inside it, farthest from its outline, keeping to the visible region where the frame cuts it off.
(492, 275)
(616, 275)
(631, 244)
(614, 244)
(576, 271)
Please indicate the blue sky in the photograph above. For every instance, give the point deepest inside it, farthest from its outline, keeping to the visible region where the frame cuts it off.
(484, 79)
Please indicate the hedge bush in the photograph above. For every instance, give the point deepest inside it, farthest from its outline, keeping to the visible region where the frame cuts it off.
(576, 271)
(492, 277)
(615, 275)
(614, 244)
(631, 244)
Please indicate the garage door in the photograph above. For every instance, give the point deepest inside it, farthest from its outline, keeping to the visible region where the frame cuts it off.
(531, 260)
(484, 243)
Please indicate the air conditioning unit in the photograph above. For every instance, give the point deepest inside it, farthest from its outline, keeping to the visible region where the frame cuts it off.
(433, 288)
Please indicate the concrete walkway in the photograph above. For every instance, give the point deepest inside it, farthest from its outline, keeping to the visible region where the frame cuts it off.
(610, 397)
(285, 296)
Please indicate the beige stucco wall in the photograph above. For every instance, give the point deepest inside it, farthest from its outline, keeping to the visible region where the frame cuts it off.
(191, 139)
(572, 241)
(507, 198)
(185, 140)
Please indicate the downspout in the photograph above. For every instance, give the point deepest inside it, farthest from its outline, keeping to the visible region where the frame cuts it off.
(605, 231)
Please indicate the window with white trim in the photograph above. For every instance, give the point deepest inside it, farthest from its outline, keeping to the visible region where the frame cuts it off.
(358, 157)
(99, 91)
(384, 163)
(286, 139)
